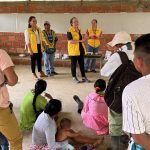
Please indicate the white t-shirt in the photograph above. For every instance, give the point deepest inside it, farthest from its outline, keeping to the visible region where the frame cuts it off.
(114, 62)
(44, 131)
(5, 62)
(136, 106)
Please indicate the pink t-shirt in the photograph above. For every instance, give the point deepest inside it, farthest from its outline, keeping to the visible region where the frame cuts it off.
(5, 62)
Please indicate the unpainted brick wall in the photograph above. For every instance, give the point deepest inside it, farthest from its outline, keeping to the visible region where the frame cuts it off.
(14, 43)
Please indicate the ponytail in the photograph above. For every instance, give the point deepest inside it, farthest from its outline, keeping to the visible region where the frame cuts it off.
(40, 86)
(97, 89)
(34, 101)
(99, 85)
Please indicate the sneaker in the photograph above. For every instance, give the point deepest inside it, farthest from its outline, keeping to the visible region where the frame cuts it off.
(79, 102)
(54, 73)
(75, 79)
(84, 79)
(93, 71)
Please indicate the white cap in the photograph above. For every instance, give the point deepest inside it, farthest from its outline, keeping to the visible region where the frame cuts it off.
(46, 22)
(120, 38)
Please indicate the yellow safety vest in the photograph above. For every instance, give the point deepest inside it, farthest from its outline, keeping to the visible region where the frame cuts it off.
(32, 39)
(94, 42)
(50, 45)
(73, 49)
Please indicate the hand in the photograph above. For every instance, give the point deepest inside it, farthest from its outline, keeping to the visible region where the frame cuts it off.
(83, 40)
(31, 53)
(94, 37)
(48, 96)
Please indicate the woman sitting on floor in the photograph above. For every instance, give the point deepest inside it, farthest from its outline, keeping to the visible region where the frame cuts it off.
(44, 129)
(94, 111)
(33, 104)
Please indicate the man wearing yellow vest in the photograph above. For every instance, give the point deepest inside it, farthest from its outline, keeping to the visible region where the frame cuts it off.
(93, 33)
(50, 39)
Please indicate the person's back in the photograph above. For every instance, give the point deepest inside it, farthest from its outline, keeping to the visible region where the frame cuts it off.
(96, 104)
(95, 113)
(27, 113)
(43, 123)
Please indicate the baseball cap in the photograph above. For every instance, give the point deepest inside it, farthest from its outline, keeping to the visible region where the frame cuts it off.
(46, 22)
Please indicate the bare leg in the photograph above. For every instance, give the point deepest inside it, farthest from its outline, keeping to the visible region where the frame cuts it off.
(87, 140)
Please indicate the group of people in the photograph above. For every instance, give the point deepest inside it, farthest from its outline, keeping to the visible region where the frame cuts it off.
(39, 113)
(43, 42)
(93, 113)
(133, 123)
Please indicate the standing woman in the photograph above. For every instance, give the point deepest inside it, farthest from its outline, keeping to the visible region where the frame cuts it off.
(93, 33)
(34, 42)
(76, 49)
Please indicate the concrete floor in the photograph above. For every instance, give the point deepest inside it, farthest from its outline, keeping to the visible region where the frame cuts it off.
(61, 87)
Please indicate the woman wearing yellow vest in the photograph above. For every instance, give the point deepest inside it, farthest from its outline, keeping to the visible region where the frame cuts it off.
(93, 34)
(76, 49)
(34, 42)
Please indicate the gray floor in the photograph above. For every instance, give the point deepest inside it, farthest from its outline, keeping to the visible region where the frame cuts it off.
(61, 87)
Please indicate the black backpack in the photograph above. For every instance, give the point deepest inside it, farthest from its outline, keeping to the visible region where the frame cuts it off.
(123, 75)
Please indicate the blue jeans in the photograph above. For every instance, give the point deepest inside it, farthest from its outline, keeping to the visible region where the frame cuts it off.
(49, 63)
(93, 61)
(3, 142)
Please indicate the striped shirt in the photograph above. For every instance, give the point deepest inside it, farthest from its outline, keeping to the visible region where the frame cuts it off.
(136, 106)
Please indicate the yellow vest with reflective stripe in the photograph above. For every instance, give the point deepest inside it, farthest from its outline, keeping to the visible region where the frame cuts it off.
(94, 42)
(50, 45)
(73, 49)
(32, 39)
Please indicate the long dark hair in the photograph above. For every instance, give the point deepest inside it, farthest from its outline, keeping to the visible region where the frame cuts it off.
(29, 20)
(71, 20)
(100, 85)
(40, 86)
(53, 107)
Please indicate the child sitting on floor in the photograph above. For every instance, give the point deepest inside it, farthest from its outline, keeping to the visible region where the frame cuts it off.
(94, 111)
(64, 132)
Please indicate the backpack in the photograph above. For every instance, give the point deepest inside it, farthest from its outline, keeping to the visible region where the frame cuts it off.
(122, 76)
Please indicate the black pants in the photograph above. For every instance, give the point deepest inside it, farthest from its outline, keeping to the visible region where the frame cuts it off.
(36, 58)
(80, 60)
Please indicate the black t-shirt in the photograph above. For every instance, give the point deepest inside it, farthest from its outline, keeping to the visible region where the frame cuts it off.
(81, 49)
